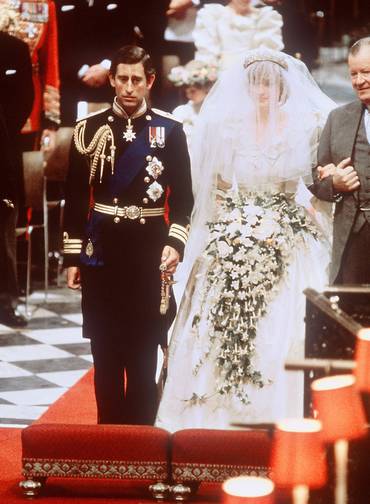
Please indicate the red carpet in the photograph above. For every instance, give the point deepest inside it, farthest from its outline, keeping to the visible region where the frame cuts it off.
(75, 406)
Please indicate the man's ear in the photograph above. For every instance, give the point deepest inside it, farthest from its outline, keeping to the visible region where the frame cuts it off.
(150, 81)
(111, 80)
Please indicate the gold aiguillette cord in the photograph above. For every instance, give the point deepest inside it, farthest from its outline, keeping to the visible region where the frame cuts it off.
(166, 282)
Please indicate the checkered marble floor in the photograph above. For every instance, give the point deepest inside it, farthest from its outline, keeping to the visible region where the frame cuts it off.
(41, 361)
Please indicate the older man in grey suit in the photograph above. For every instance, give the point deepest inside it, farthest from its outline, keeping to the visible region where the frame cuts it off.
(344, 174)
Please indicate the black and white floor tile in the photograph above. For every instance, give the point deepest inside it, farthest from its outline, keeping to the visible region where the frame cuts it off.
(40, 362)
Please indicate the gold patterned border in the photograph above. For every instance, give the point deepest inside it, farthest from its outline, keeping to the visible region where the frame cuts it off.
(71, 468)
(215, 472)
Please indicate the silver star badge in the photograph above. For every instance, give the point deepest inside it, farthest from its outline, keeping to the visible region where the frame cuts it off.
(129, 135)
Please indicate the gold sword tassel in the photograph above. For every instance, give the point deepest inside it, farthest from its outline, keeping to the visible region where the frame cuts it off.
(166, 283)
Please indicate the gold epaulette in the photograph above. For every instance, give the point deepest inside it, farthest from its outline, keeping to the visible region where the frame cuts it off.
(96, 148)
(163, 113)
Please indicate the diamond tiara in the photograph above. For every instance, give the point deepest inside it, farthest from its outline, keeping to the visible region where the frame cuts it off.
(255, 58)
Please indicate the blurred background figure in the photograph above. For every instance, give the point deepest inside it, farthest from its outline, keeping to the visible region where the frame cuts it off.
(195, 80)
(34, 22)
(16, 99)
(90, 32)
(298, 30)
(224, 33)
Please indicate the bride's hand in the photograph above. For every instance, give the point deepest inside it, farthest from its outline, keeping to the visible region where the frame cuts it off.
(325, 171)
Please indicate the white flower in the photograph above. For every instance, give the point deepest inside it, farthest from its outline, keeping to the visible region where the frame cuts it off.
(252, 210)
(266, 228)
(234, 228)
(235, 215)
(252, 220)
(239, 256)
(224, 249)
(247, 242)
(154, 191)
(247, 230)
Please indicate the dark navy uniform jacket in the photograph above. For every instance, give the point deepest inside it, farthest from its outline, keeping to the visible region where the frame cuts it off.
(120, 256)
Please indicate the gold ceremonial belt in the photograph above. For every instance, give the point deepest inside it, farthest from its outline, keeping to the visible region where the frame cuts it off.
(131, 212)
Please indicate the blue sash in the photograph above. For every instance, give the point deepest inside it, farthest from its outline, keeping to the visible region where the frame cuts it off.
(132, 160)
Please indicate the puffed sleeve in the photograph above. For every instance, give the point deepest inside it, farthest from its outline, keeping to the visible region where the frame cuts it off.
(268, 32)
(206, 37)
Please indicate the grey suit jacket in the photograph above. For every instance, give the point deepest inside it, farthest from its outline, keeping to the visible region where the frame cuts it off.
(337, 143)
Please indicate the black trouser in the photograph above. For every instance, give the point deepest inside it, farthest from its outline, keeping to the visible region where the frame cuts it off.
(355, 267)
(125, 387)
(8, 257)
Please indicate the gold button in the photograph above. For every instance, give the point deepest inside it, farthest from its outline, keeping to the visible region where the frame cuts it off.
(148, 117)
(142, 221)
(145, 200)
(147, 180)
(110, 118)
(109, 159)
(149, 158)
(116, 220)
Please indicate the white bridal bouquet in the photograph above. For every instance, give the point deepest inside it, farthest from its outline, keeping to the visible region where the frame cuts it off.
(249, 250)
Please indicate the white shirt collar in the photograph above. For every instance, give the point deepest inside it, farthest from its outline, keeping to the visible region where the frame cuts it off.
(367, 123)
(121, 112)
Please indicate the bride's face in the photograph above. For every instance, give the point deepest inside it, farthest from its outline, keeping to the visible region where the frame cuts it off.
(262, 92)
(267, 90)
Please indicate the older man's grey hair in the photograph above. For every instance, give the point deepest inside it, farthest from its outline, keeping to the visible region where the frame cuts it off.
(358, 45)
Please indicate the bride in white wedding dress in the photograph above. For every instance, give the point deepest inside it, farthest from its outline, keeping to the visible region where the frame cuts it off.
(252, 248)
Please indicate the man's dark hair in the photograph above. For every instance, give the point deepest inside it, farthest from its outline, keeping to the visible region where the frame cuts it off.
(130, 55)
(357, 46)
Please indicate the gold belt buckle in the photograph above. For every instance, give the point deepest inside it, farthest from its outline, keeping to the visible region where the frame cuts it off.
(132, 212)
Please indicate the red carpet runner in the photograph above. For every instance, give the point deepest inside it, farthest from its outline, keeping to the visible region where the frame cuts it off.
(75, 406)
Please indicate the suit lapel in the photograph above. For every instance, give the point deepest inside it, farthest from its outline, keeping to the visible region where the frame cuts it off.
(353, 114)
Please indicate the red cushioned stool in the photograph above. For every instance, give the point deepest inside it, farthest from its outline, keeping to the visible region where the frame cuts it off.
(207, 455)
(95, 451)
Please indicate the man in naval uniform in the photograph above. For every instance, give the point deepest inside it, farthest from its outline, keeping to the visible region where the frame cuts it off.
(128, 203)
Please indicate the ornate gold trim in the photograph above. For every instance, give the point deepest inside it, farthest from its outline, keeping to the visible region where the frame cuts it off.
(214, 472)
(96, 149)
(129, 212)
(179, 232)
(71, 245)
(72, 468)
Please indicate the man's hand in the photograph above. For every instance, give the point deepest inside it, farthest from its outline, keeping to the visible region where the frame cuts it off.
(345, 178)
(170, 257)
(73, 278)
(178, 8)
(48, 141)
(95, 76)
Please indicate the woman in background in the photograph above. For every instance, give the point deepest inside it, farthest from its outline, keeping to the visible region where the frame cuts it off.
(196, 79)
(223, 33)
